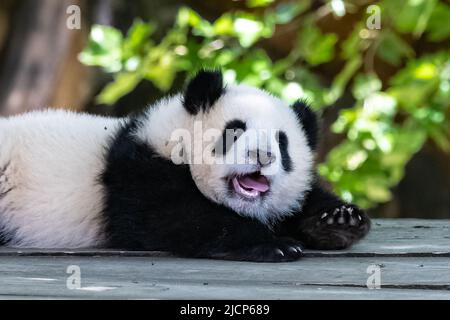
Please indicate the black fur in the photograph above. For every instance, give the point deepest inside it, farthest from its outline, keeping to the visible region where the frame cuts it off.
(348, 223)
(5, 237)
(203, 91)
(236, 125)
(283, 142)
(3, 240)
(308, 120)
(152, 204)
(232, 131)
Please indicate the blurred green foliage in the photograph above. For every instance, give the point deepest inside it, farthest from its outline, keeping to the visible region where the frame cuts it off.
(389, 120)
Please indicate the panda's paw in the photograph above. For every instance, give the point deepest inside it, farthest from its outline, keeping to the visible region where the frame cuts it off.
(335, 228)
(277, 250)
(345, 216)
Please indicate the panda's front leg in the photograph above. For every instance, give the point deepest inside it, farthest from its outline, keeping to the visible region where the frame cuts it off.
(273, 250)
(326, 222)
(209, 231)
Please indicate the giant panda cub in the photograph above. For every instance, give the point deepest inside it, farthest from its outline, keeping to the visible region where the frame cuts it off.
(215, 172)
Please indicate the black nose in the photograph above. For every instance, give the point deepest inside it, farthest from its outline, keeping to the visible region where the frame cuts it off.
(263, 158)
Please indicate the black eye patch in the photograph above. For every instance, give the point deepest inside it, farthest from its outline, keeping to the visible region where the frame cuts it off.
(232, 131)
(283, 142)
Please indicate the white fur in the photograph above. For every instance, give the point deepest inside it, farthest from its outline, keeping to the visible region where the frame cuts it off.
(162, 119)
(50, 162)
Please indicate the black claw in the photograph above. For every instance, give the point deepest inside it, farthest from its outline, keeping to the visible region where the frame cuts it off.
(353, 222)
(280, 250)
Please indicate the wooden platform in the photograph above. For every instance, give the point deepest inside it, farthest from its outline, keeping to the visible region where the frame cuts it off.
(413, 256)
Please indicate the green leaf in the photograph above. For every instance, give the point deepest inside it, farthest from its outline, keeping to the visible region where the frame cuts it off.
(441, 138)
(316, 47)
(247, 30)
(410, 16)
(138, 39)
(103, 49)
(159, 68)
(258, 3)
(188, 18)
(365, 84)
(438, 28)
(424, 17)
(224, 25)
(393, 48)
(377, 192)
(286, 12)
(122, 85)
(419, 81)
(250, 29)
(341, 80)
(312, 87)
(353, 45)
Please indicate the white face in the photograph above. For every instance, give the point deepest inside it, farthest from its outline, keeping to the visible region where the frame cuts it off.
(266, 188)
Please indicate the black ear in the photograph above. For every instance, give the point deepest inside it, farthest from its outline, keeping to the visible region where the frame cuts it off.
(308, 119)
(203, 91)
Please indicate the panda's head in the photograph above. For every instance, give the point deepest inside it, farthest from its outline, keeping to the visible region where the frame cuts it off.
(251, 151)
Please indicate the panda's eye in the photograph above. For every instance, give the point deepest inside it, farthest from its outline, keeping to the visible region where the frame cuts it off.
(236, 125)
(231, 133)
(283, 143)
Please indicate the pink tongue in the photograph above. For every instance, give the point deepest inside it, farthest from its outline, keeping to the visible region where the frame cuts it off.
(259, 183)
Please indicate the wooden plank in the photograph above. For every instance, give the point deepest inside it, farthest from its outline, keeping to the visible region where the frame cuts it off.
(388, 237)
(414, 257)
(400, 237)
(200, 292)
(175, 278)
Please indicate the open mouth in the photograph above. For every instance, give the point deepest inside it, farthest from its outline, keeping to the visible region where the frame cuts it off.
(250, 186)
